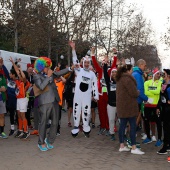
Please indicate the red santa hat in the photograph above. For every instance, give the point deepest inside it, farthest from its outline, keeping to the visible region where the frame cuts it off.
(114, 69)
(29, 65)
(155, 71)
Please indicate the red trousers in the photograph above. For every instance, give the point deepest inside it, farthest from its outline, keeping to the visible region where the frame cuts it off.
(102, 109)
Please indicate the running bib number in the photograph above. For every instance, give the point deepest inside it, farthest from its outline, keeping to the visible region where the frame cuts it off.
(112, 87)
(152, 88)
(85, 80)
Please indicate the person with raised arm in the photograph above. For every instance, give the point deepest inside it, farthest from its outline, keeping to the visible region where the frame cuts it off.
(86, 85)
(22, 85)
(103, 97)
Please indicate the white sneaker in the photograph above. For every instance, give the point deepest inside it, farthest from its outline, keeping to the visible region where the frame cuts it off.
(144, 137)
(125, 149)
(137, 151)
(154, 138)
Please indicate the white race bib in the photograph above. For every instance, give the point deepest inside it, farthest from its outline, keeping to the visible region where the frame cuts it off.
(112, 87)
(85, 80)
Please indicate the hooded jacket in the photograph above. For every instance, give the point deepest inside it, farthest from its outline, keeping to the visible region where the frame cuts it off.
(138, 75)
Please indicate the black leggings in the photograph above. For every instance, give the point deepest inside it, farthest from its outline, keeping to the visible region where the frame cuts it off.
(151, 116)
(12, 112)
(166, 125)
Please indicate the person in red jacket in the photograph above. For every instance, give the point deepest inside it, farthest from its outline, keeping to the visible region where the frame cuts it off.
(102, 102)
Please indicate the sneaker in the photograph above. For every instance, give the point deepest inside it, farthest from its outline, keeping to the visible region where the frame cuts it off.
(93, 126)
(112, 137)
(42, 148)
(125, 149)
(153, 138)
(101, 131)
(146, 141)
(144, 137)
(168, 158)
(3, 135)
(19, 134)
(49, 146)
(34, 132)
(137, 151)
(107, 133)
(159, 143)
(69, 124)
(25, 135)
(11, 132)
(162, 151)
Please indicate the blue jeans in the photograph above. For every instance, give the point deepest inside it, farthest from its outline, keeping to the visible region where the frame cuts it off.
(123, 124)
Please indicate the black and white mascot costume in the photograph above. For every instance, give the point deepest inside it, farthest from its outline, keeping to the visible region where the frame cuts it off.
(86, 85)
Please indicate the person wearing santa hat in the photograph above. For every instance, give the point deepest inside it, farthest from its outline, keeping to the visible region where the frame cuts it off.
(111, 90)
(152, 90)
(103, 97)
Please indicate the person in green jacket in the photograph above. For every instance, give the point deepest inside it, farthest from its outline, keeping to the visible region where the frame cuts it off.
(3, 87)
(152, 90)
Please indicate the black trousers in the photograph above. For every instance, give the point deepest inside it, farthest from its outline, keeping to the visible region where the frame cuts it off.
(151, 116)
(12, 112)
(27, 114)
(166, 124)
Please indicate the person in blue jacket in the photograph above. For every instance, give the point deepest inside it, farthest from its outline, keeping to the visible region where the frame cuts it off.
(138, 75)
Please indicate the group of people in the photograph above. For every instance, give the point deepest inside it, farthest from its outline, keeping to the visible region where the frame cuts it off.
(120, 90)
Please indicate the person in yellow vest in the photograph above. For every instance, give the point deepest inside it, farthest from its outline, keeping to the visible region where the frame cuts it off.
(60, 83)
(152, 109)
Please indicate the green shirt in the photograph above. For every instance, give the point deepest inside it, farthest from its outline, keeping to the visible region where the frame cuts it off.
(3, 83)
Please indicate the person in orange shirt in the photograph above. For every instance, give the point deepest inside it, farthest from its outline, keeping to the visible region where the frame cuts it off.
(60, 83)
(22, 85)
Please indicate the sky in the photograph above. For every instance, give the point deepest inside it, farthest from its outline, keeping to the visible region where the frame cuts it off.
(157, 11)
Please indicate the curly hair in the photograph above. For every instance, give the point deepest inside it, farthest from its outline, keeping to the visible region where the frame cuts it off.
(41, 63)
(123, 69)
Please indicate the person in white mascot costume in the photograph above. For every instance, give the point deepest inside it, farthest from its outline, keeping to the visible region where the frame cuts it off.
(85, 90)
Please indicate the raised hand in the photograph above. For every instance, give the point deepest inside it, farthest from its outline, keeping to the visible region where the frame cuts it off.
(11, 60)
(106, 59)
(93, 50)
(72, 67)
(50, 72)
(72, 44)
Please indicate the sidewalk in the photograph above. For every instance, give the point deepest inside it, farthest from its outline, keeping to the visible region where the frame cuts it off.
(80, 153)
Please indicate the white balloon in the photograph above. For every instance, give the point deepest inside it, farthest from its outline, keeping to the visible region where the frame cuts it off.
(62, 57)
